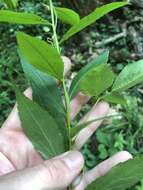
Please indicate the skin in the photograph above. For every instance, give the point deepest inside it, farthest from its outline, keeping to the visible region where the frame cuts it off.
(22, 167)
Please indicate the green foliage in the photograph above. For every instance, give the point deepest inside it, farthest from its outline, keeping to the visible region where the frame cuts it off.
(115, 98)
(46, 93)
(101, 78)
(91, 18)
(67, 16)
(40, 54)
(35, 122)
(11, 4)
(21, 18)
(45, 88)
(120, 177)
(131, 75)
(75, 85)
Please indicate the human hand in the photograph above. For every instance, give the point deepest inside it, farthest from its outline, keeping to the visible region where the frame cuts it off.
(26, 169)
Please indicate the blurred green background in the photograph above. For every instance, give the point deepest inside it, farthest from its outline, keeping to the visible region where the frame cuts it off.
(121, 33)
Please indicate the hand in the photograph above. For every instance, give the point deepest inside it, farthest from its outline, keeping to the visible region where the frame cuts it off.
(22, 167)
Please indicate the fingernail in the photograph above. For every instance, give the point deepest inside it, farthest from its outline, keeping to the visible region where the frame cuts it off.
(74, 160)
(5, 165)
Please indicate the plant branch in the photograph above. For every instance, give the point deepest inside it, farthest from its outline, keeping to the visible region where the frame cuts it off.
(55, 38)
(79, 127)
(68, 120)
(56, 44)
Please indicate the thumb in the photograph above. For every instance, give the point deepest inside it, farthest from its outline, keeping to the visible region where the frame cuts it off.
(57, 173)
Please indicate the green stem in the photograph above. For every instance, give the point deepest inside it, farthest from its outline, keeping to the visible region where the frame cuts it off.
(56, 44)
(68, 120)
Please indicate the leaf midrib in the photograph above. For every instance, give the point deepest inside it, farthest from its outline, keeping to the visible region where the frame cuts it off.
(43, 57)
(121, 86)
(30, 113)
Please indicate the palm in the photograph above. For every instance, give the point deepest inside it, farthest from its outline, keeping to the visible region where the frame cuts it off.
(17, 149)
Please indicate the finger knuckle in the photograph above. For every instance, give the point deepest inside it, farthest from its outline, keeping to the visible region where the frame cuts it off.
(57, 170)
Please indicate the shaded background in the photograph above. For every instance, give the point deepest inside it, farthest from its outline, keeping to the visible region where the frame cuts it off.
(122, 33)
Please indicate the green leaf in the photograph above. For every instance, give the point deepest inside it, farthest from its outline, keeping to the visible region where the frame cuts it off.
(97, 80)
(103, 138)
(121, 177)
(41, 55)
(91, 18)
(21, 18)
(131, 75)
(74, 88)
(103, 152)
(76, 129)
(40, 128)
(115, 98)
(11, 4)
(67, 15)
(45, 92)
(14, 2)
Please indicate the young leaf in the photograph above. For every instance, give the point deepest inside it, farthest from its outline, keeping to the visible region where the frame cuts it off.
(121, 177)
(97, 80)
(74, 88)
(41, 55)
(40, 127)
(67, 15)
(45, 92)
(91, 18)
(115, 98)
(21, 18)
(131, 75)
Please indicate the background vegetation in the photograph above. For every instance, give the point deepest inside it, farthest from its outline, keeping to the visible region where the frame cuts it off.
(121, 33)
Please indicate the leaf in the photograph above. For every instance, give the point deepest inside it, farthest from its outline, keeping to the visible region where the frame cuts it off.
(21, 18)
(103, 138)
(67, 15)
(11, 4)
(91, 18)
(115, 98)
(45, 92)
(75, 130)
(103, 152)
(74, 88)
(41, 55)
(97, 80)
(131, 75)
(14, 2)
(40, 128)
(121, 177)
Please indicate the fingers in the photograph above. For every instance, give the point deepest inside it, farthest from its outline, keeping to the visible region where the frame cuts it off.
(105, 166)
(13, 121)
(99, 110)
(102, 169)
(67, 65)
(5, 165)
(77, 103)
(57, 173)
